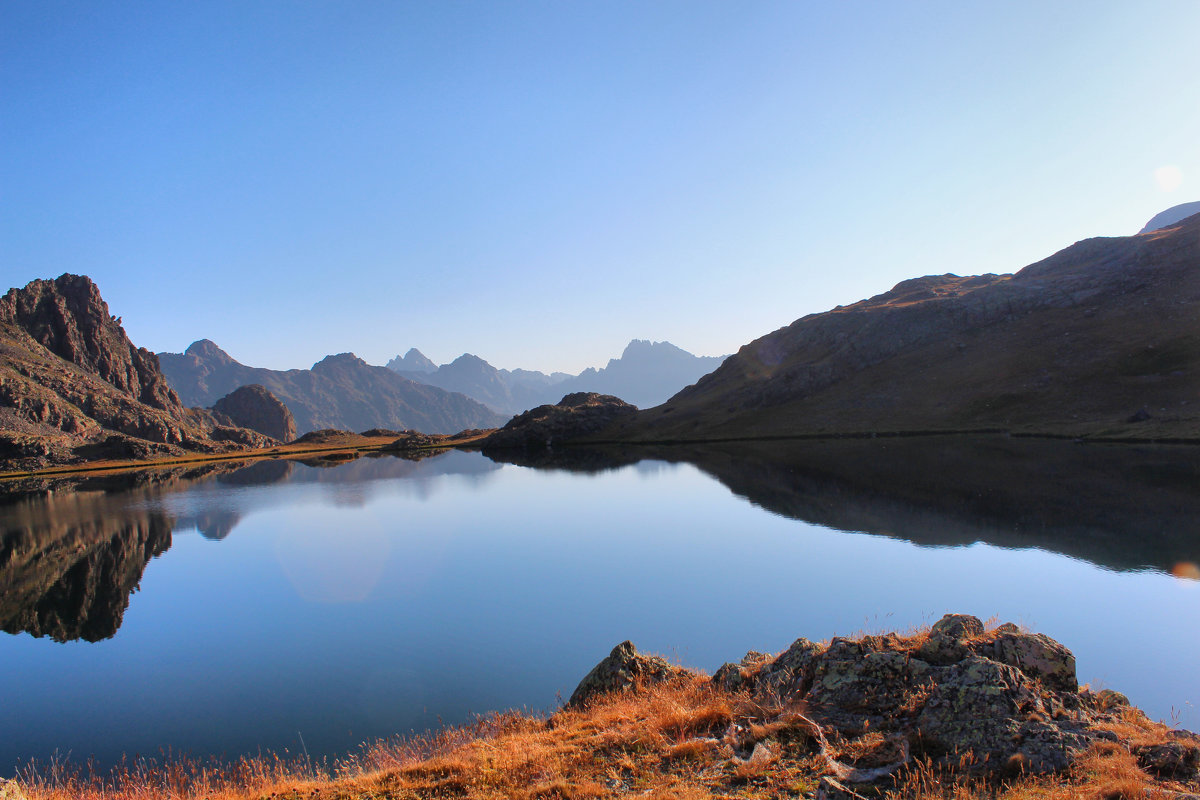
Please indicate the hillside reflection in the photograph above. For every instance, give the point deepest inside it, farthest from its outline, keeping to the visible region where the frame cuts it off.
(1120, 507)
(73, 550)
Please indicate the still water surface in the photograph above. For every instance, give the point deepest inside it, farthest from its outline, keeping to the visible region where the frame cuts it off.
(294, 606)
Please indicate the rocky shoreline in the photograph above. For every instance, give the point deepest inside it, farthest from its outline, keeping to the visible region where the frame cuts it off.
(960, 710)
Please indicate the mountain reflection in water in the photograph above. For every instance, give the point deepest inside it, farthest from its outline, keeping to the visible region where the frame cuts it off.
(70, 558)
(361, 598)
(1120, 507)
(73, 550)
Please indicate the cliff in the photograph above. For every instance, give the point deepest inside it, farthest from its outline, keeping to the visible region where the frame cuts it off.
(74, 388)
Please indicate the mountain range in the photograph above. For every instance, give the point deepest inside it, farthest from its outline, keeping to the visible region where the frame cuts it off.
(340, 391)
(1098, 340)
(645, 375)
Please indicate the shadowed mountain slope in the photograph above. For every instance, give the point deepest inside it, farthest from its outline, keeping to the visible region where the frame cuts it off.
(1100, 339)
(74, 388)
(340, 391)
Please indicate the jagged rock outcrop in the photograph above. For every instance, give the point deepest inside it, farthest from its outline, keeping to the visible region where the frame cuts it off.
(575, 416)
(623, 668)
(340, 391)
(1007, 697)
(253, 407)
(68, 317)
(1000, 702)
(412, 361)
(1075, 344)
(74, 388)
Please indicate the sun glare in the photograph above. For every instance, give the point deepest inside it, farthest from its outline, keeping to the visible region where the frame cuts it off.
(1168, 177)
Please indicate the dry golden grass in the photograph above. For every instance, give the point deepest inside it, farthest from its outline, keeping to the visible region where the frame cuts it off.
(681, 740)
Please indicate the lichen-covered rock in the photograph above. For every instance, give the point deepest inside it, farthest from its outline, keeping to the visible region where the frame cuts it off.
(957, 626)
(790, 672)
(1007, 697)
(1036, 655)
(623, 668)
(1177, 760)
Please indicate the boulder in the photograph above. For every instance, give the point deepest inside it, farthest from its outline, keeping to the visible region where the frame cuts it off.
(254, 407)
(623, 668)
(1006, 697)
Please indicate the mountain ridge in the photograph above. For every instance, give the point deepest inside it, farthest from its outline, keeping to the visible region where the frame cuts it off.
(1097, 339)
(339, 391)
(645, 374)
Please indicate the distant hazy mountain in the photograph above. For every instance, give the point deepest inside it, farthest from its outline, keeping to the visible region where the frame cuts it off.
(646, 374)
(412, 361)
(340, 391)
(1171, 216)
(504, 391)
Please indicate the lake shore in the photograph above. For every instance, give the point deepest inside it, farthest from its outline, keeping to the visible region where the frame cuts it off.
(331, 443)
(959, 710)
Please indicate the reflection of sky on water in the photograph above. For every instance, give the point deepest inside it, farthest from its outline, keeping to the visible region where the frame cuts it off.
(443, 594)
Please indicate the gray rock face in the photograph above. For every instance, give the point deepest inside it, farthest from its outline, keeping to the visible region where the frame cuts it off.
(624, 668)
(1006, 696)
(256, 408)
(575, 416)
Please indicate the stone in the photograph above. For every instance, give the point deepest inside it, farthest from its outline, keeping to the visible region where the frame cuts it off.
(624, 668)
(957, 626)
(790, 673)
(10, 790)
(1177, 760)
(1038, 656)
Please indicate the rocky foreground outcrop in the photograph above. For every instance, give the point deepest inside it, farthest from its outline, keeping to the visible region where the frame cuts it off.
(575, 416)
(999, 702)
(74, 388)
(256, 408)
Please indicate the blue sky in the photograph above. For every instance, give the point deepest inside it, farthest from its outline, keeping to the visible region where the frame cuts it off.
(538, 183)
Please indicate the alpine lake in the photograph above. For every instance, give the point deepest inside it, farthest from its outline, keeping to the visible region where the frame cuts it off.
(306, 607)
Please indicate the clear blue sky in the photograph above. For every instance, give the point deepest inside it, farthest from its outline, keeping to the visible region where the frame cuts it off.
(538, 183)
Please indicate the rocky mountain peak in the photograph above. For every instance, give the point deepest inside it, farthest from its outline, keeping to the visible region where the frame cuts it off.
(339, 361)
(207, 350)
(69, 318)
(412, 361)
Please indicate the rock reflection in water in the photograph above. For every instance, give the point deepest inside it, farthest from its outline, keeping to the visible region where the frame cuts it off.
(74, 548)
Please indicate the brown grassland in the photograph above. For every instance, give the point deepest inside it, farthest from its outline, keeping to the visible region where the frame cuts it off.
(670, 740)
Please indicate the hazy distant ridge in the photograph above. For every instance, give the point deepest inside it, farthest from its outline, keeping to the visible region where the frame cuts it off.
(646, 374)
(340, 391)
